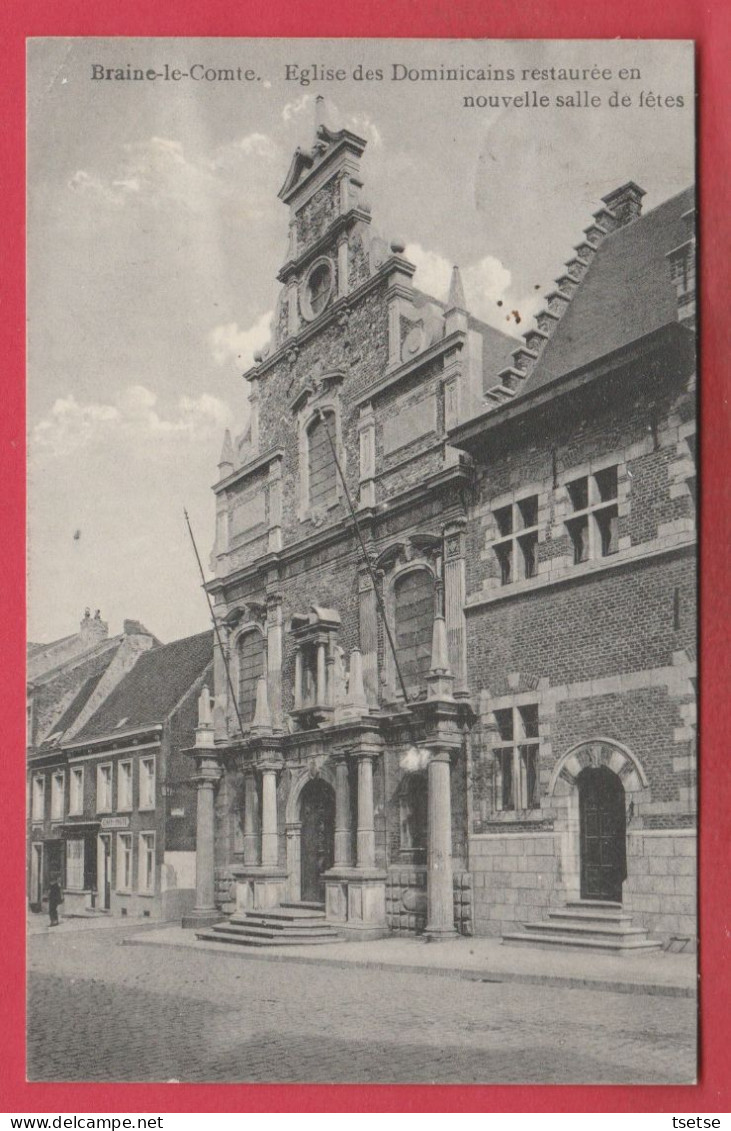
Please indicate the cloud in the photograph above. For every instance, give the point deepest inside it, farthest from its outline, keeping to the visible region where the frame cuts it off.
(486, 282)
(298, 106)
(365, 127)
(230, 344)
(159, 172)
(71, 426)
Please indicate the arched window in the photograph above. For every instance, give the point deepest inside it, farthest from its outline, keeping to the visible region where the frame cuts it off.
(413, 795)
(322, 472)
(414, 620)
(251, 667)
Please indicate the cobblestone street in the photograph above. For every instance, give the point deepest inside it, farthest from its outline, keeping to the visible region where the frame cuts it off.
(103, 1011)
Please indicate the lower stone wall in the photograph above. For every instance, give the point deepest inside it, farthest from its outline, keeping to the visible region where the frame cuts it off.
(517, 879)
(406, 901)
(661, 886)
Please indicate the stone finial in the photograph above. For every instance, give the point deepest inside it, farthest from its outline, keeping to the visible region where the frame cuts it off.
(262, 723)
(319, 112)
(440, 679)
(398, 246)
(204, 707)
(356, 696)
(456, 299)
(226, 459)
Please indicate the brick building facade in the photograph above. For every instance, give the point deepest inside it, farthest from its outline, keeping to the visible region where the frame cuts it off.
(476, 705)
(112, 806)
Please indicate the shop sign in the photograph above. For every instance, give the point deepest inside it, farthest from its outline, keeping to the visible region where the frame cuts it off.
(115, 822)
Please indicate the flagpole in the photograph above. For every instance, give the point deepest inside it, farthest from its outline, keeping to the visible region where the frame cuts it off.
(214, 623)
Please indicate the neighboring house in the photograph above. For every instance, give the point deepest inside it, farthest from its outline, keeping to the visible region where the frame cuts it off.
(484, 710)
(124, 802)
(67, 680)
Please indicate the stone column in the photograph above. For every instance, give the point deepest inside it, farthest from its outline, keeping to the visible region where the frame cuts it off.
(207, 777)
(251, 838)
(269, 835)
(343, 851)
(274, 657)
(440, 908)
(297, 677)
(454, 601)
(369, 636)
(366, 836)
(321, 690)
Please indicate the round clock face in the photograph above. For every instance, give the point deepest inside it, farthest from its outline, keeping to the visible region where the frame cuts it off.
(318, 288)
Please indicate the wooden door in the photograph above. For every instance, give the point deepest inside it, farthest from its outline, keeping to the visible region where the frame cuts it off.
(317, 813)
(603, 834)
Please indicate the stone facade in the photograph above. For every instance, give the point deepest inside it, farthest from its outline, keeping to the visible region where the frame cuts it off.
(523, 552)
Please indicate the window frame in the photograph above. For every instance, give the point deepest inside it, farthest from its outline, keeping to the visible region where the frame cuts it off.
(245, 631)
(125, 805)
(142, 805)
(399, 577)
(590, 516)
(76, 774)
(517, 757)
(125, 859)
(142, 859)
(100, 767)
(81, 858)
(58, 795)
(38, 780)
(508, 547)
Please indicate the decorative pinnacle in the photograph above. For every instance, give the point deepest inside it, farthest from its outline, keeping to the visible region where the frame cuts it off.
(456, 299)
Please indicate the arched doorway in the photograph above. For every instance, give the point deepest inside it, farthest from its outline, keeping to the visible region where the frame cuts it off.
(602, 829)
(317, 816)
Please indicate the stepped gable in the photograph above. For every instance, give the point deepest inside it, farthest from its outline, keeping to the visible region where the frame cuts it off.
(616, 289)
(153, 687)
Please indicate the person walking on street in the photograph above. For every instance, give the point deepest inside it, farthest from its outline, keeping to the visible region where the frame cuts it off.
(55, 898)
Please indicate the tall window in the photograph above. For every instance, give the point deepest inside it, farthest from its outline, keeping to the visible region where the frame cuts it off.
(147, 783)
(124, 861)
(321, 467)
(39, 798)
(251, 667)
(76, 791)
(75, 865)
(124, 786)
(517, 780)
(593, 524)
(413, 816)
(57, 796)
(146, 864)
(414, 617)
(516, 547)
(104, 788)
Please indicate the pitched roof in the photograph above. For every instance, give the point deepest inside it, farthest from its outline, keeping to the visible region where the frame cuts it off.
(73, 711)
(153, 687)
(626, 293)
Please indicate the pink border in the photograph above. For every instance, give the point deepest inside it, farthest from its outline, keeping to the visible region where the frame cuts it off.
(709, 25)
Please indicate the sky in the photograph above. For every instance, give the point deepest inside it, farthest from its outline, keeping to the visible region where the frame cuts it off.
(155, 235)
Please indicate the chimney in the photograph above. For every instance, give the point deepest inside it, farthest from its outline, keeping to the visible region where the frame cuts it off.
(625, 203)
(93, 629)
(134, 628)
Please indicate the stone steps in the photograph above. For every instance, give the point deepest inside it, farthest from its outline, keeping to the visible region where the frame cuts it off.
(595, 925)
(290, 924)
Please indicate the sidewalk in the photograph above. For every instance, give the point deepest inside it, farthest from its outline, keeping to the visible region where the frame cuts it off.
(476, 959)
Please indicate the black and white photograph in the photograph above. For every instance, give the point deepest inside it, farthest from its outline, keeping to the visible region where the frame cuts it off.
(362, 632)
